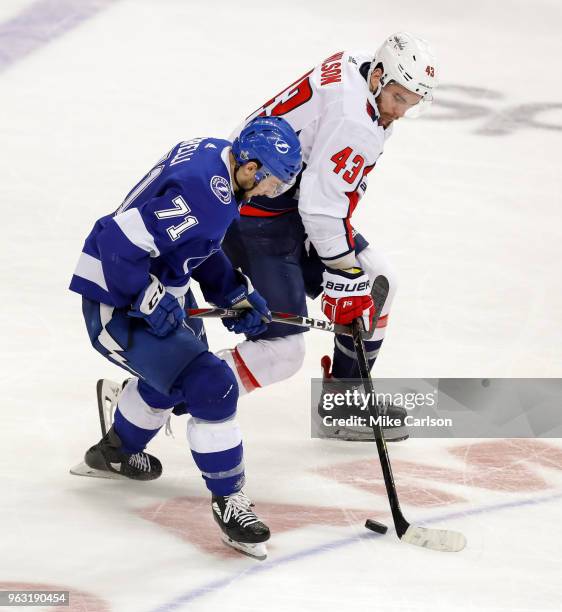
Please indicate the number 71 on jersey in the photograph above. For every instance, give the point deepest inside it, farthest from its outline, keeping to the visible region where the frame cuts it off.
(181, 209)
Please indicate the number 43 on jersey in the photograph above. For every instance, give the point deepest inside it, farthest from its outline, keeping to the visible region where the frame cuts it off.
(352, 164)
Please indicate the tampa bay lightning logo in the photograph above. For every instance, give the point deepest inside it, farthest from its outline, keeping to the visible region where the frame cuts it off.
(221, 188)
(281, 146)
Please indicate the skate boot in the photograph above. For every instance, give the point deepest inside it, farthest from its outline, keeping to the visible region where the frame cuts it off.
(107, 392)
(106, 460)
(240, 527)
(357, 427)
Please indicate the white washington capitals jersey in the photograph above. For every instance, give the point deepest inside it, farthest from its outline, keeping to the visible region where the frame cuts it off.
(336, 118)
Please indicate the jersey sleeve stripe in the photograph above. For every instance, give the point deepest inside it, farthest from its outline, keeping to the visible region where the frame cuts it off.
(90, 268)
(338, 256)
(131, 224)
(349, 233)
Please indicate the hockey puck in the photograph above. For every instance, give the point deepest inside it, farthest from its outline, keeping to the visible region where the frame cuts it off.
(375, 526)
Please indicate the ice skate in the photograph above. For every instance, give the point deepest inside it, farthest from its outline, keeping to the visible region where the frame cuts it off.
(240, 527)
(107, 392)
(358, 428)
(106, 460)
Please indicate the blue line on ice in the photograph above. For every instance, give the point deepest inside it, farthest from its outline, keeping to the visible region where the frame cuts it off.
(215, 585)
(40, 23)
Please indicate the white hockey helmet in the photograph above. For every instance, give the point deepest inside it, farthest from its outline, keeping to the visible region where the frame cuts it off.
(409, 61)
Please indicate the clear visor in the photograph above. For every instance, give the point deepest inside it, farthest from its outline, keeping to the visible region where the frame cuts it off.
(418, 109)
(415, 110)
(269, 185)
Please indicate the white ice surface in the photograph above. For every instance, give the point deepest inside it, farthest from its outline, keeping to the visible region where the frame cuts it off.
(470, 218)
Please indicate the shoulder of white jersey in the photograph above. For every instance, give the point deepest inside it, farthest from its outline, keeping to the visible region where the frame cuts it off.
(359, 102)
(342, 81)
(356, 58)
(331, 70)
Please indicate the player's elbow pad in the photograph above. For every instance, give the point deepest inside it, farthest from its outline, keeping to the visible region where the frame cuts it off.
(329, 237)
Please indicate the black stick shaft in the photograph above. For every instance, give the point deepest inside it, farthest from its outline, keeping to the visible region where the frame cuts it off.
(278, 317)
(400, 523)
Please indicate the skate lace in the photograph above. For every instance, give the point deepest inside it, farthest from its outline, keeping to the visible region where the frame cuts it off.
(238, 505)
(140, 461)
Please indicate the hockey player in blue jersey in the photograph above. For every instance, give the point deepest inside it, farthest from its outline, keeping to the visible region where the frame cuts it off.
(134, 274)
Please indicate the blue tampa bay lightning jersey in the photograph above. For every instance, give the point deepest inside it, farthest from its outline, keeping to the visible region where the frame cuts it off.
(172, 222)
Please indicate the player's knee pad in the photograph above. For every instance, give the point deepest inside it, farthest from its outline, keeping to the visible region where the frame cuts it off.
(258, 363)
(375, 263)
(209, 388)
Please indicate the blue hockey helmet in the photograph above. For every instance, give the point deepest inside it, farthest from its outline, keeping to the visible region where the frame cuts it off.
(273, 143)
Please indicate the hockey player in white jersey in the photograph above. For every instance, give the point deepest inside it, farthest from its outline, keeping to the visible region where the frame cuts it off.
(303, 241)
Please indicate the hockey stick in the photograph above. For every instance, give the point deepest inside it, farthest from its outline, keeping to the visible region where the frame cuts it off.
(435, 539)
(277, 317)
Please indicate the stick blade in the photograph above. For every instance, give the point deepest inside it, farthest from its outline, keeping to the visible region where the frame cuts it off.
(442, 540)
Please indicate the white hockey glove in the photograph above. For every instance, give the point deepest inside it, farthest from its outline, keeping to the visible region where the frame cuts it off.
(347, 296)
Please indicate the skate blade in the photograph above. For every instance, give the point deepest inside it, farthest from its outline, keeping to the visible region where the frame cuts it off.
(395, 434)
(85, 470)
(256, 551)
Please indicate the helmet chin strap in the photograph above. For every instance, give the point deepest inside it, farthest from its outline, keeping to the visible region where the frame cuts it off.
(239, 192)
(377, 91)
(369, 74)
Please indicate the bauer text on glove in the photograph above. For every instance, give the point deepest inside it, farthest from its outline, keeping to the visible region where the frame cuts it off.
(347, 296)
